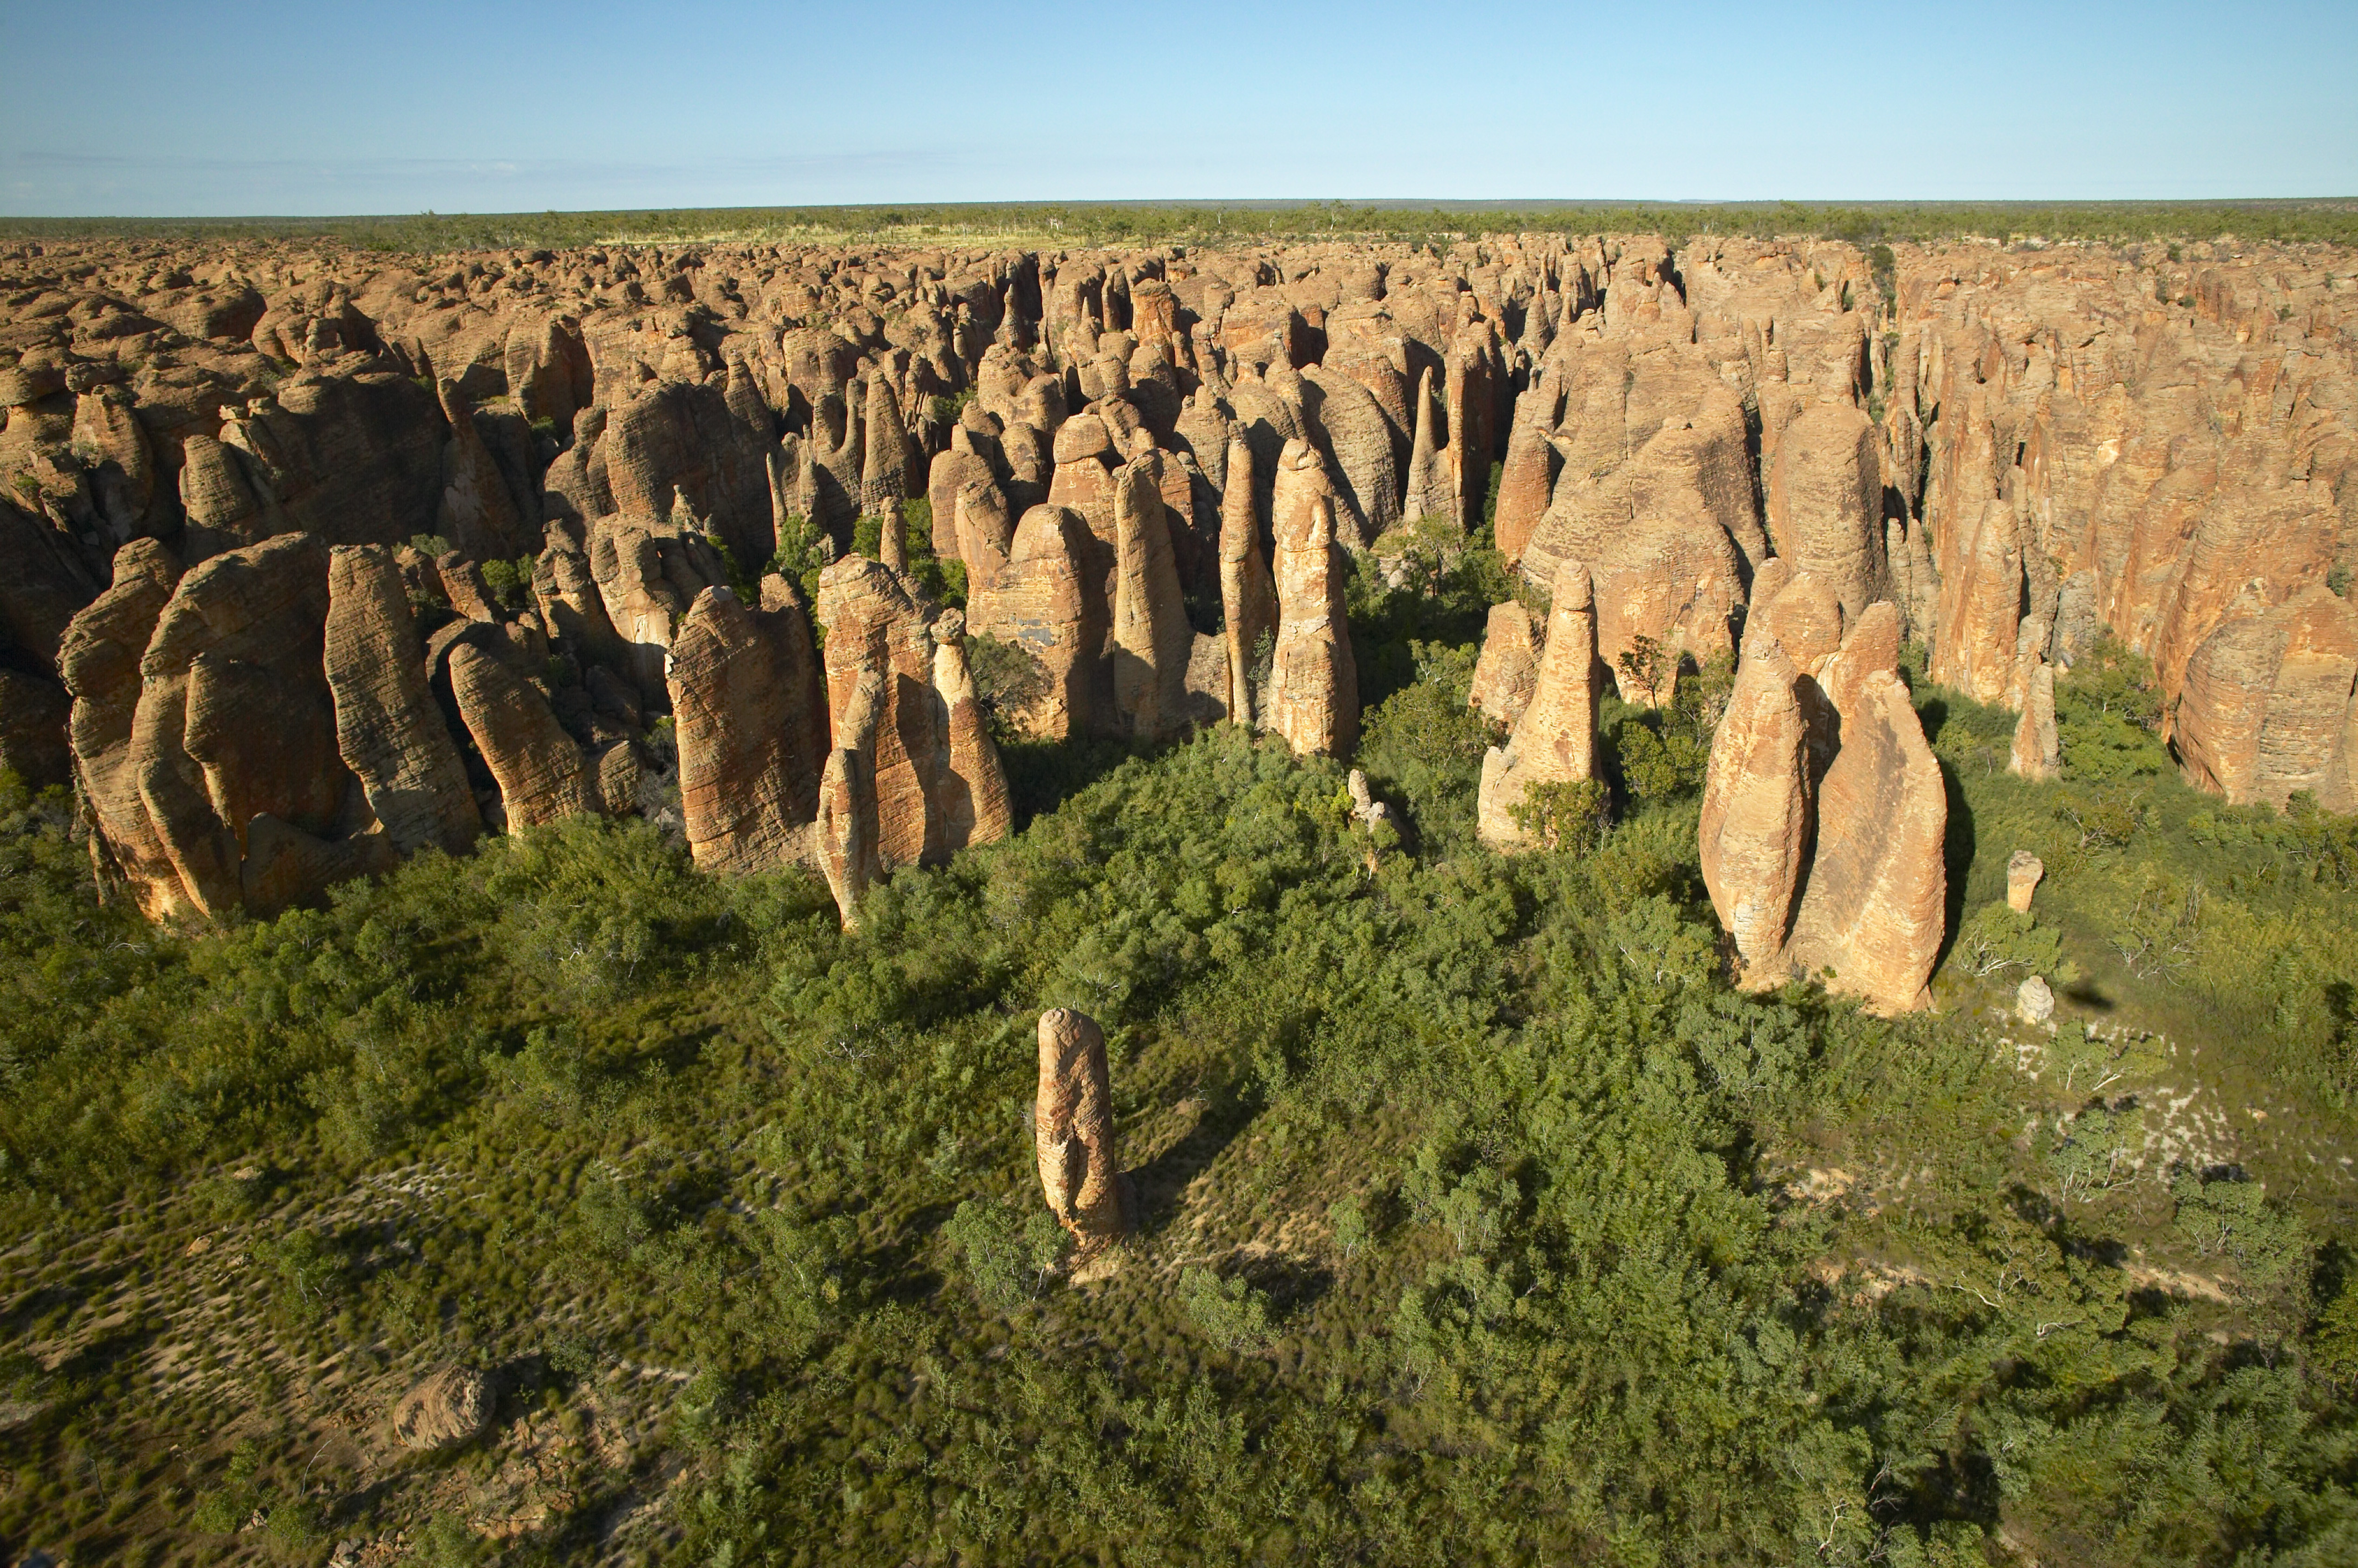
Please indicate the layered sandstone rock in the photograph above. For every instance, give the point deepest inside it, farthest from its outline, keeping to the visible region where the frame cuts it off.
(388, 729)
(99, 659)
(1037, 603)
(1314, 681)
(1507, 671)
(751, 728)
(1248, 593)
(1151, 640)
(541, 773)
(1072, 1131)
(1554, 740)
(2037, 750)
(923, 767)
(1825, 813)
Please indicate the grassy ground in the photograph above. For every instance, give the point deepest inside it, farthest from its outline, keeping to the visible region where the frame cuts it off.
(1480, 1221)
(1073, 224)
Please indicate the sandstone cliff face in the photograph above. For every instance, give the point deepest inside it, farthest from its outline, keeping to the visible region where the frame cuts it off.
(1072, 1131)
(2156, 446)
(750, 727)
(1554, 740)
(388, 730)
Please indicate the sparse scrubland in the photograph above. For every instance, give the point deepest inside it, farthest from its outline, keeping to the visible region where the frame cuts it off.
(1482, 1220)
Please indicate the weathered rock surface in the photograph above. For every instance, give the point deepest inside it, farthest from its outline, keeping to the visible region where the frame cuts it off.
(2020, 450)
(1825, 813)
(2023, 871)
(1072, 1131)
(1507, 670)
(389, 731)
(1314, 681)
(541, 773)
(1554, 740)
(446, 1408)
(750, 724)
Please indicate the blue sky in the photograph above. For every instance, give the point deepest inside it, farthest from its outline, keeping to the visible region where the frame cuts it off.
(124, 107)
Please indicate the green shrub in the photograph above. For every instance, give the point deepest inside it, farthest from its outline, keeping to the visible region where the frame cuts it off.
(1230, 1313)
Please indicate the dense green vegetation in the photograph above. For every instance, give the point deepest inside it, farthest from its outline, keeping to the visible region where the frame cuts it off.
(1483, 1222)
(1257, 222)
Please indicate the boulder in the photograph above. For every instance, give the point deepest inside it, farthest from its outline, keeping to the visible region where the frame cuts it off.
(448, 1406)
(2023, 871)
(1071, 1131)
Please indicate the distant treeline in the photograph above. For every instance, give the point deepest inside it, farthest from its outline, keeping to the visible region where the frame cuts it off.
(1150, 223)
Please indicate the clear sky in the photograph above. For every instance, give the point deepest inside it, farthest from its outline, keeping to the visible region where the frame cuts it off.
(133, 107)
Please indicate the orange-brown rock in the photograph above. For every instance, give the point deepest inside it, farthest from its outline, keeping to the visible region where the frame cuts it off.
(844, 828)
(98, 658)
(1037, 603)
(1072, 1131)
(2037, 750)
(1757, 810)
(541, 773)
(235, 720)
(970, 791)
(389, 730)
(1314, 682)
(1151, 641)
(1554, 740)
(1825, 495)
(2023, 871)
(751, 728)
(1824, 814)
(2267, 707)
(1874, 910)
(1507, 670)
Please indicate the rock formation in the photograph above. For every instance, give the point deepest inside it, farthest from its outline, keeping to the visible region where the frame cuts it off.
(2014, 453)
(1507, 672)
(751, 728)
(1314, 682)
(2023, 871)
(388, 729)
(1072, 1131)
(1825, 813)
(1554, 738)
